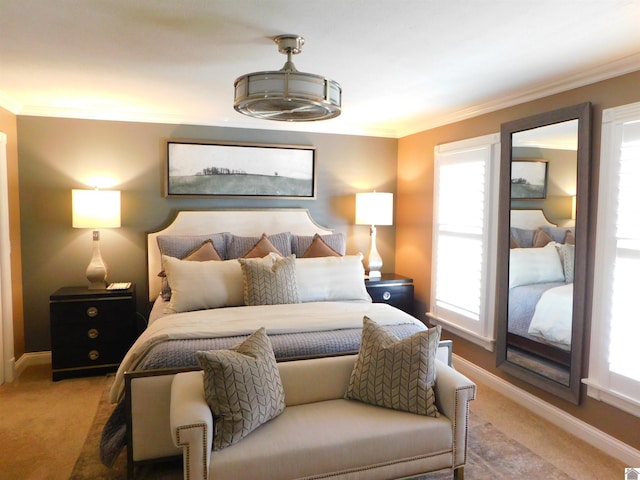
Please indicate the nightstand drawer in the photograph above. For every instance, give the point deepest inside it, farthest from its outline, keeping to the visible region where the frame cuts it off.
(392, 289)
(89, 354)
(87, 312)
(391, 294)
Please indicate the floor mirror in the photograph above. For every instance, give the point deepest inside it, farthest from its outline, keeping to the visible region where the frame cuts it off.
(543, 229)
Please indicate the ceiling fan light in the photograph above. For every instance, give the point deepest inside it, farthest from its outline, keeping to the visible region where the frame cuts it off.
(287, 94)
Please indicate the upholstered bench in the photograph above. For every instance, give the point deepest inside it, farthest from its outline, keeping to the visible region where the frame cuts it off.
(320, 434)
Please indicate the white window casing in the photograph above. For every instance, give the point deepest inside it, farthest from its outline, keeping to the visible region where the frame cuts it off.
(464, 238)
(614, 368)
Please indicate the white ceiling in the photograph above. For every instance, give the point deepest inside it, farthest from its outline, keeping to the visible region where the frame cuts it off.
(404, 66)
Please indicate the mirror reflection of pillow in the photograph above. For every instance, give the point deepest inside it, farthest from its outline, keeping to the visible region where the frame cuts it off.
(568, 253)
(522, 236)
(534, 265)
(570, 237)
(558, 234)
(541, 238)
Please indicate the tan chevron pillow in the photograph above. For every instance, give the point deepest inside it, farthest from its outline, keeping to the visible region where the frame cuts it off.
(242, 387)
(266, 284)
(396, 373)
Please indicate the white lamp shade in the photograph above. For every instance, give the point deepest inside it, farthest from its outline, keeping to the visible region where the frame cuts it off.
(374, 208)
(96, 208)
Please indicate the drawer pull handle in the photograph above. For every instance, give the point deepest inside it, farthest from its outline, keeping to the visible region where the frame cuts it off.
(386, 295)
(94, 354)
(93, 333)
(92, 312)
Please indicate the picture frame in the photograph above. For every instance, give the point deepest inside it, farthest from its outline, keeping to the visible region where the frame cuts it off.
(529, 178)
(220, 169)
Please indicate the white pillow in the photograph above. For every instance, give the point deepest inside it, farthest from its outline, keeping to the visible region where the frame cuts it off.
(331, 279)
(201, 285)
(534, 265)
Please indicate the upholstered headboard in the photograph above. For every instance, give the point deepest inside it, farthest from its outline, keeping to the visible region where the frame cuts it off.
(248, 222)
(529, 219)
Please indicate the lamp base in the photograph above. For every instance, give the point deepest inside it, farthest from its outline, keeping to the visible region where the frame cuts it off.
(374, 260)
(97, 270)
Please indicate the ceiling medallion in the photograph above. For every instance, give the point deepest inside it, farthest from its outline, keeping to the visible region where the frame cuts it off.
(287, 94)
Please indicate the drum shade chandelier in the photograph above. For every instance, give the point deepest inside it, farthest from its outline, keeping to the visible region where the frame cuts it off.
(287, 94)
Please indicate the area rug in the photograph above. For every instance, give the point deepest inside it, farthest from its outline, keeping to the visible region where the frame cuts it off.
(492, 455)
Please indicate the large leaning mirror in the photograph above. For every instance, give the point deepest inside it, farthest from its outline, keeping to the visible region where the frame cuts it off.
(542, 248)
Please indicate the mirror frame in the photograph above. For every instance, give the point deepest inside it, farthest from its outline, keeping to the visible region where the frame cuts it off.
(582, 112)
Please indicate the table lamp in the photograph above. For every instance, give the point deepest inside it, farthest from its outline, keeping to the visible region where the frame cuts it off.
(96, 209)
(374, 208)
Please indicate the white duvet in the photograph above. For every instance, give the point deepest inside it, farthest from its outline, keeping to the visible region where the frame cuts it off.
(553, 316)
(223, 322)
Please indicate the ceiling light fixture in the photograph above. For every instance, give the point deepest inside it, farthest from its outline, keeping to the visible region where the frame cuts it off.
(287, 94)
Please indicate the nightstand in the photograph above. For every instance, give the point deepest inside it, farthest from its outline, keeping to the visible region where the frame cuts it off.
(393, 289)
(91, 330)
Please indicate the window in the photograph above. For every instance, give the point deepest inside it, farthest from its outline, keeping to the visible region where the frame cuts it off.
(614, 376)
(464, 238)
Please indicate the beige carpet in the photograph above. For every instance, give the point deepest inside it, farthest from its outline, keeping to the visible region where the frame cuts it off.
(492, 455)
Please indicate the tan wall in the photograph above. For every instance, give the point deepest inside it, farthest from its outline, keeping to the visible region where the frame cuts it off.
(8, 125)
(413, 228)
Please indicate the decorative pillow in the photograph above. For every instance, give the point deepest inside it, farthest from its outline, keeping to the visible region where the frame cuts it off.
(394, 373)
(242, 387)
(201, 285)
(180, 246)
(300, 244)
(239, 247)
(513, 243)
(319, 248)
(534, 265)
(269, 284)
(205, 252)
(570, 237)
(523, 236)
(262, 248)
(331, 279)
(567, 254)
(557, 234)
(541, 238)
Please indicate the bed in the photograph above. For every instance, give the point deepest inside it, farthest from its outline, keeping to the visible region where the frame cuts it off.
(324, 319)
(540, 286)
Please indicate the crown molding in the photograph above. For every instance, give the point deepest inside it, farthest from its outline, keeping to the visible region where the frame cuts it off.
(597, 74)
(9, 103)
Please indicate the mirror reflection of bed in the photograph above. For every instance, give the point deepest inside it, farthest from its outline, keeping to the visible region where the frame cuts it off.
(540, 312)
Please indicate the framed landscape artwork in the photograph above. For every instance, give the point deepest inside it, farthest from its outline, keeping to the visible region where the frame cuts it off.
(240, 170)
(529, 179)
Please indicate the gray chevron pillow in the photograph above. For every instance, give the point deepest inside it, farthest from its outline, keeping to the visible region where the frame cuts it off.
(396, 373)
(242, 387)
(266, 284)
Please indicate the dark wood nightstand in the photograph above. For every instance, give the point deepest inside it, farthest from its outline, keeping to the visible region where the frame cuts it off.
(91, 330)
(393, 289)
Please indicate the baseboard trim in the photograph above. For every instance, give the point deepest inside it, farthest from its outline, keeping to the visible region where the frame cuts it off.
(30, 359)
(597, 438)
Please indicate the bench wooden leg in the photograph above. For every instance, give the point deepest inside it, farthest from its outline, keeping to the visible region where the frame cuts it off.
(458, 473)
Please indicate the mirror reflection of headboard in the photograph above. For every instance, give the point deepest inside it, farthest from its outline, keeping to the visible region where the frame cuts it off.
(529, 219)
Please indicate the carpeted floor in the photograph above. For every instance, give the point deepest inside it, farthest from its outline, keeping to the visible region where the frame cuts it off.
(491, 456)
